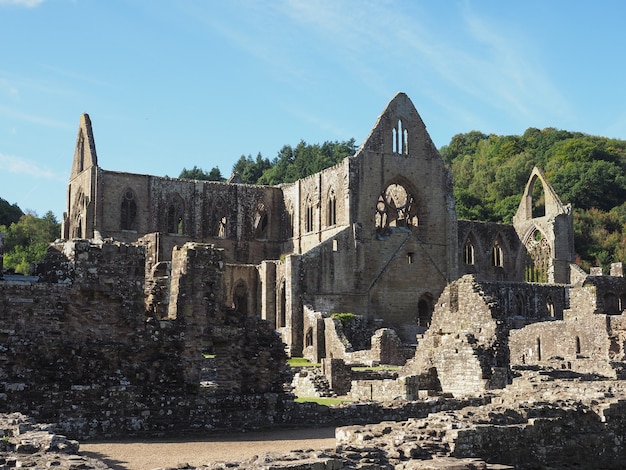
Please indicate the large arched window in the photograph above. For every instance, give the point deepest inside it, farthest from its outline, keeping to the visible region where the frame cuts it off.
(396, 207)
(175, 215)
(538, 257)
(128, 211)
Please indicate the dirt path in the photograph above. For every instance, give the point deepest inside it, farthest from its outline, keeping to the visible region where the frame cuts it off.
(151, 454)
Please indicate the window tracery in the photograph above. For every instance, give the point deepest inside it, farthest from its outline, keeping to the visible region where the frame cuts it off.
(396, 207)
(538, 257)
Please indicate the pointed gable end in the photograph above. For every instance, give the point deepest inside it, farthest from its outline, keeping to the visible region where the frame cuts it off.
(399, 130)
(85, 152)
(552, 204)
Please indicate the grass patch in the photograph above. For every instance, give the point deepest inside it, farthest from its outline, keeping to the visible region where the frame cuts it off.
(323, 400)
(301, 362)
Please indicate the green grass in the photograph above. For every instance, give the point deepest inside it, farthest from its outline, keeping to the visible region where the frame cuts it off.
(301, 362)
(323, 401)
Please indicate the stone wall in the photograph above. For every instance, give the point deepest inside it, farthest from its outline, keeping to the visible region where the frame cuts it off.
(84, 351)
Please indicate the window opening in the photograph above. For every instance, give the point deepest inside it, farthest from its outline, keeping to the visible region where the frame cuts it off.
(331, 209)
(497, 255)
(538, 199)
(128, 211)
(550, 306)
(175, 213)
(409, 258)
(396, 207)
(424, 311)
(538, 257)
(240, 298)
(400, 139)
(468, 253)
(308, 223)
(577, 345)
(260, 222)
(309, 337)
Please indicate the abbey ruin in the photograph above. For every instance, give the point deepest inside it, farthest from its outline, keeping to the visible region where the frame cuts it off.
(172, 305)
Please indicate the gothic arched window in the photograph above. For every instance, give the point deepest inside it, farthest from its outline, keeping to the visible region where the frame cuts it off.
(175, 215)
(128, 211)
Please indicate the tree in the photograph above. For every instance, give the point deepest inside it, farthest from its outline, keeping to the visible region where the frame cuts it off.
(199, 174)
(26, 241)
(9, 213)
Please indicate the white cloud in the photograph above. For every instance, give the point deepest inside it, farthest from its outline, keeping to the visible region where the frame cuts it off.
(22, 3)
(19, 166)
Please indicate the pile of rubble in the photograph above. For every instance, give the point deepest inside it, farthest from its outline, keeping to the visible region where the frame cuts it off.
(25, 443)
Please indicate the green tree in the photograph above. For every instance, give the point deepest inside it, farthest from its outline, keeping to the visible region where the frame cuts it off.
(199, 174)
(26, 241)
(9, 213)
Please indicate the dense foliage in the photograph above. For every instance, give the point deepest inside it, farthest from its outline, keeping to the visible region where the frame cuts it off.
(199, 174)
(26, 241)
(293, 163)
(589, 172)
(9, 213)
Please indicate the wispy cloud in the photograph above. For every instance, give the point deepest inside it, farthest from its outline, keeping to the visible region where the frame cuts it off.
(43, 121)
(20, 166)
(22, 3)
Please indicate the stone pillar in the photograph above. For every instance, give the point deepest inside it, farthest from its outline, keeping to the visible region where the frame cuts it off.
(617, 269)
(267, 273)
(294, 337)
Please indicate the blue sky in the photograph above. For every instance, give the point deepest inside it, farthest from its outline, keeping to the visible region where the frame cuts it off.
(173, 84)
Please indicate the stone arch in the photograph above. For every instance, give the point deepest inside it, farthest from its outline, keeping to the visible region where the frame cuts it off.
(397, 206)
(469, 250)
(240, 297)
(175, 214)
(519, 306)
(550, 307)
(497, 253)
(128, 210)
(538, 256)
(218, 218)
(79, 211)
(289, 226)
(331, 208)
(309, 213)
(261, 221)
(425, 307)
(537, 198)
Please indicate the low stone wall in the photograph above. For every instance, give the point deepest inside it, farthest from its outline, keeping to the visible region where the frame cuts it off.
(405, 388)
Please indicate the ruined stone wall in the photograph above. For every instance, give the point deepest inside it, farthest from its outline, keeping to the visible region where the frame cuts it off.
(479, 259)
(405, 388)
(85, 352)
(318, 206)
(246, 220)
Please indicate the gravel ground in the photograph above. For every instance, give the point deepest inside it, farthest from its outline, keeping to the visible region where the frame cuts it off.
(152, 454)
